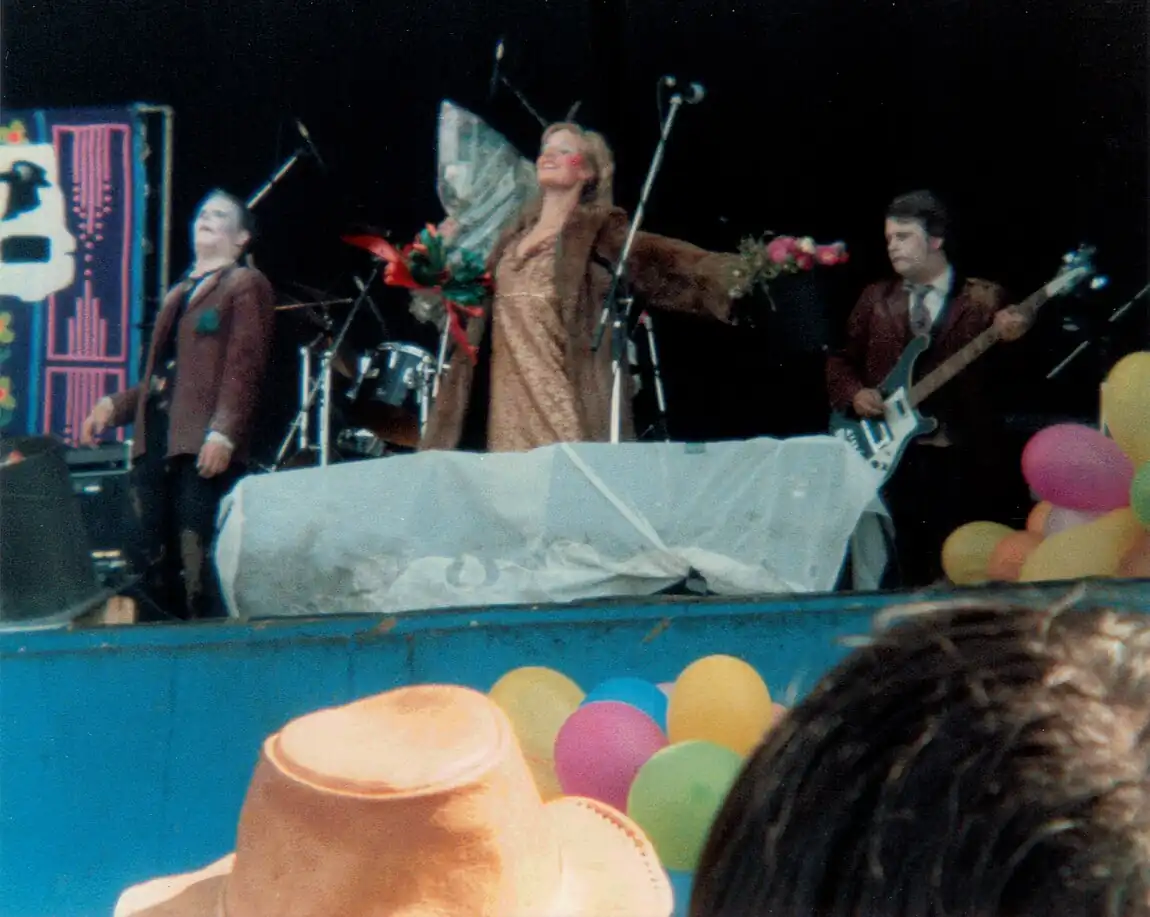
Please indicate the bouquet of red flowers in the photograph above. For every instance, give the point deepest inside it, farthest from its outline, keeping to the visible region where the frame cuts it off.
(428, 265)
(765, 260)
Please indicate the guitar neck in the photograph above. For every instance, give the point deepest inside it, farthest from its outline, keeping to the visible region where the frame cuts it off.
(952, 366)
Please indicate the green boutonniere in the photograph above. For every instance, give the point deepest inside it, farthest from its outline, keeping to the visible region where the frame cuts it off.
(208, 322)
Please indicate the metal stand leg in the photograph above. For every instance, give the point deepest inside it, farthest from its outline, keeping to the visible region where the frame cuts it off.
(304, 392)
(619, 346)
(441, 357)
(325, 411)
(660, 396)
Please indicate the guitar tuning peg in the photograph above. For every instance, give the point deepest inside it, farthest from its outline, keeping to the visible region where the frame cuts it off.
(1099, 282)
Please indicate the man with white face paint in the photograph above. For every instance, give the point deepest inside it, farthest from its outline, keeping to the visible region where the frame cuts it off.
(194, 406)
(946, 479)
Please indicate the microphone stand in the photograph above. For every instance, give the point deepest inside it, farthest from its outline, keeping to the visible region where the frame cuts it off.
(307, 148)
(1115, 317)
(619, 318)
(323, 383)
(277, 177)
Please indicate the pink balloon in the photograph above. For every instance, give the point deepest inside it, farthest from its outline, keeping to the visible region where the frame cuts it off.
(600, 749)
(1076, 467)
(1061, 519)
(667, 687)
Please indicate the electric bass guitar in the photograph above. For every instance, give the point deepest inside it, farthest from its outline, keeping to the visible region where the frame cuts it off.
(883, 440)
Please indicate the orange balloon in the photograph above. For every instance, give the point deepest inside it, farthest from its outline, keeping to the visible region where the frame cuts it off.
(1136, 563)
(1010, 554)
(1036, 521)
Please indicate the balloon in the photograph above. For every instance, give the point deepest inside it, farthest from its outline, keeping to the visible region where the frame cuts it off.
(1036, 521)
(1010, 554)
(1077, 467)
(681, 885)
(1061, 519)
(1140, 495)
(1126, 405)
(966, 552)
(723, 700)
(1094, 549)
(1136, 563)
(676, 796)
(600, 749)
(538, 701)
(636, 692)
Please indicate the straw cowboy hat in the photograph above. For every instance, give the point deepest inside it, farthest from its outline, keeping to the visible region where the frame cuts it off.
(413, 803)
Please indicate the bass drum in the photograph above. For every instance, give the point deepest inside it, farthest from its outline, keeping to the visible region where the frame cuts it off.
(392, 393)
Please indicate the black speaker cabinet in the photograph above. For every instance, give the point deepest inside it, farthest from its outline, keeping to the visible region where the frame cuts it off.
(47, 575)
(100, 480)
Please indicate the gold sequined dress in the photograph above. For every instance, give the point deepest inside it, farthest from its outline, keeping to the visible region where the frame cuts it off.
(533, 402)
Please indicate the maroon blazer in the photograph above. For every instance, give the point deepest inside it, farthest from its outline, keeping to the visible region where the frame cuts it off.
(878, 331)
(220, 362)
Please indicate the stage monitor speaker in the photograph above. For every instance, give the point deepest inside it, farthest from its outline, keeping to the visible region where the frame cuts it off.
(47, 576)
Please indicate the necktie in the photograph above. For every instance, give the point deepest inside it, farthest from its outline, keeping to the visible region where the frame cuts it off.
(920, 320)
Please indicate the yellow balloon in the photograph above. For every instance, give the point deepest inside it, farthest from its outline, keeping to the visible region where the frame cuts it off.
(966, 552)
(546, 780)
(538, 701)
(723, 700)
(1126, 405)
(1094, 549)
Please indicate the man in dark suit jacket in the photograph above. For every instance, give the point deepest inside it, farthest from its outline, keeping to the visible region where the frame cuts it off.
(194, 406)
(937, 485)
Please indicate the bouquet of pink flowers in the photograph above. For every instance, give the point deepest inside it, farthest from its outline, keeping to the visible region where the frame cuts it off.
(765, 260)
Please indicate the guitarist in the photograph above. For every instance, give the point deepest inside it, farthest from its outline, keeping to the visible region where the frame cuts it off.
(943, 480)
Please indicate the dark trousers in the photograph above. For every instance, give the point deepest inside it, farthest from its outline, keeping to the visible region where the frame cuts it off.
(176, 511)
(933, 491)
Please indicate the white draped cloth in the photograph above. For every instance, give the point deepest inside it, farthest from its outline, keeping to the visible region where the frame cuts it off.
(559, 524)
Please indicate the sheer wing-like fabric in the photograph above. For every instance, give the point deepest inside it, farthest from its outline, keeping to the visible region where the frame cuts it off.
(482, 181)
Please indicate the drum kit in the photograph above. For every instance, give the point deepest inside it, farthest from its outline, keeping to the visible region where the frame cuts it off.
(361, 405)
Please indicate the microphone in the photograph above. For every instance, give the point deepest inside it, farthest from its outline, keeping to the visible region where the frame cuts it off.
(494, 84)
(308, 143)
(696, 95)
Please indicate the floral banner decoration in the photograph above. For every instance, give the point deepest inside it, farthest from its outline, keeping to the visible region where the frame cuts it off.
(7, 399)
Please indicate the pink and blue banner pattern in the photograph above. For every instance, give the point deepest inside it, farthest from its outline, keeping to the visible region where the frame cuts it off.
(72, 199)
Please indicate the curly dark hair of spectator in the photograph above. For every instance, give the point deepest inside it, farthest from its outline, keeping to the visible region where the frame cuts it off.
(972, 760)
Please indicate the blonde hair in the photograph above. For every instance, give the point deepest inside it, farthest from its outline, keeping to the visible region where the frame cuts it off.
(599, 190)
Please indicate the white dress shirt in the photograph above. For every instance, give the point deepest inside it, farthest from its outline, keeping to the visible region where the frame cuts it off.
(939, 289)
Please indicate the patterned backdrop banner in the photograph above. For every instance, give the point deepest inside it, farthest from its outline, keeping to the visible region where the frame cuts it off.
(72, 198)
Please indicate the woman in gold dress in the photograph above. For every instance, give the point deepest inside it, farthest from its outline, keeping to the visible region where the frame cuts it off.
(534, 379)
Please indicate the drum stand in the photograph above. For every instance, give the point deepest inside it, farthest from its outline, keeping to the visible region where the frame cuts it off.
(309, 390)
(660, 424)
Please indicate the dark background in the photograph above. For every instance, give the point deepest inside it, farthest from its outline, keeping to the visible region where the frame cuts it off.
(1030, 118)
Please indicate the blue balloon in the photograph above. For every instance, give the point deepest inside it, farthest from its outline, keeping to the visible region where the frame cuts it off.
(636, 692)
(681, 885)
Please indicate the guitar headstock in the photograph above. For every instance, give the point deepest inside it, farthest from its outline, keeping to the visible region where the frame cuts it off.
(1077, 267)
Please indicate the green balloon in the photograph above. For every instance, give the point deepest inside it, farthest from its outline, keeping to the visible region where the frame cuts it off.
(1140, 495)
(676, 795)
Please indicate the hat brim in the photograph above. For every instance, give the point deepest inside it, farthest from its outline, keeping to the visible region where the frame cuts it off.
(189, 894)
(610, 869)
